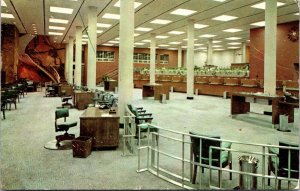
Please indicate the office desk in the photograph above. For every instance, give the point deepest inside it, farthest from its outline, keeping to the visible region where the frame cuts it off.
(82, 99)
(65, 89)
(155, 90)
(101, 126)
(240, 103)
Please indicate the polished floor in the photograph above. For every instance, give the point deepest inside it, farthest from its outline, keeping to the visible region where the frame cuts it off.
(26, 164)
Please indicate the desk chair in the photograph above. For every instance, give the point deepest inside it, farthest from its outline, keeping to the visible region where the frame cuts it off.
(281, 162)
(216, 154)
(63, 113)
(65, 101)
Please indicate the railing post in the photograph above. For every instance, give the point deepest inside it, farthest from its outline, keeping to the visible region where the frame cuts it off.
(182, 172)
(263, 166)
(200, 163)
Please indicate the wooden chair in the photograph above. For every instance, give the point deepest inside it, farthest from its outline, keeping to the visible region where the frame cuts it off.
(225, 156)
(281, 162)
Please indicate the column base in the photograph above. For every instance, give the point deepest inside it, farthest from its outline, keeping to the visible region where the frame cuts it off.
(191, 98)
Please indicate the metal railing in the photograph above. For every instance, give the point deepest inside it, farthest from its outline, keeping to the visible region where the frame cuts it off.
(155, 164)
(129, 142)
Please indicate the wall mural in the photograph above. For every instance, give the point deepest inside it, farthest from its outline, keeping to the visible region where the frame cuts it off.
(42, 61)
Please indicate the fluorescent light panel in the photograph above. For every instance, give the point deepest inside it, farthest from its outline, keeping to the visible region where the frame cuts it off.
(224, 18)
(262, 5)
(198, 44)
(186, 39)
(111, 16)
(163, 45)
(61, 10)
(183, 12)
(174, 42)
(220, 0)
(103, 25)
(233, 38)
(199, 26)
(296, 14)
(136, 4)
(3, 3)
(207, 35)
(99, 31)
(216, 46)
(218, 49)
(57, 28)
(107, 44)
(138, 43)
(55, 33)
(7, 15)
(216, 41)
(234, 43)
(176, 32)
(162, 37)
(61, 21)
(232, 30)
(113, 41)
(160, 21)
(146, 40)
(143, 29)
(233, 47)
(260, 24)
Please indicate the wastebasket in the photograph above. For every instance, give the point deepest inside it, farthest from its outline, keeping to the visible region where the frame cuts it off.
(283, 123)
(248, 164)
(82, 146)
(163, 98)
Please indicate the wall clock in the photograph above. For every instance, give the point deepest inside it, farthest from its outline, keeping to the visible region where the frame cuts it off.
(293, 34)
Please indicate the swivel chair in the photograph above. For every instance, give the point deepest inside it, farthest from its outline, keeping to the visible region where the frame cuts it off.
(63, 113)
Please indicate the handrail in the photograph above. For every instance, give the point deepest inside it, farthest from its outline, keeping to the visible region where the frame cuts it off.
(129, 131)
(111, 74)
(153, 152)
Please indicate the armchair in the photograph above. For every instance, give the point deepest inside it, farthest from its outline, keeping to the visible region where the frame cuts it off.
(138, 109)
(281, 161)
(63, 113)
(225, 156)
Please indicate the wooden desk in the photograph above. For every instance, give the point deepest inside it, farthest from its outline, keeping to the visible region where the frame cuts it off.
(286, 108)
(68, 89)
(240, 106)
(101, 126)
(155, 90)
(82, 99)
(110, 85)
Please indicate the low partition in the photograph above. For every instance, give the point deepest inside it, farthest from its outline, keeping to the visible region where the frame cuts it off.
(201, 80)
(232, 82)
(216, 81)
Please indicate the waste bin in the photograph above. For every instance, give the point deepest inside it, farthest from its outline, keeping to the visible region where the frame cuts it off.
(171, 89)
(283, 123)
(163, 98)
(248, 164)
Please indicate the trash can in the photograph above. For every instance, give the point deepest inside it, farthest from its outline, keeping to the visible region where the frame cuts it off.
(248, 164)
(82, 146)
(283, 123)
(163, 98)
(171, 89)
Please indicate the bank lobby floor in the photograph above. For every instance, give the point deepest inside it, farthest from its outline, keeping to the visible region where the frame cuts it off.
(26, 164)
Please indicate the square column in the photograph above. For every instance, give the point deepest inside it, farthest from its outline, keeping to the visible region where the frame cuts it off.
(190, 60)
(71, 62)
(78, 56)
(152, 58)
(67, 62)
(179, 62)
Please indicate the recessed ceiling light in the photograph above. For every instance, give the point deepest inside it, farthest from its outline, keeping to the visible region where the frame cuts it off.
(136, 4)
(232, 30)
(103, 25)
(146, 40)
(85, 40)
(163, 45)
(216, 41)
(262, 5)
(61, 10)
(106, 44)
(55, 33)
(162, 37)
(184, 12)
(234, 43)
(216, 46)
(111, 16)
(176, 32)
(135, 34)
(57, 28)
(99, 31)
(3, 3)
(224, 18)
(207, 35)
(199, 26)
(143, 29)
(233, 38)
(7, 15)
(113, 41)
(220, 0)
(296, 14)
(160, 21)
(138, 43)
(83, 43)
(183, 46)
(172, 48)
(218, 49)
(233, 47)
(174, 42)
(62, 21)
(85, 36)
(117, 38)
(198, 44)
(186, 39)
(260, 24)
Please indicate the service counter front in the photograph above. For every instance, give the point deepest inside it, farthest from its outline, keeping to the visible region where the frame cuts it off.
(155, 90)
(102, 126)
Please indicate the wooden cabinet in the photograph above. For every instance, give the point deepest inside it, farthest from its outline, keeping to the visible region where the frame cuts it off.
(65, 89)
(82, 99)
(101, 126)
(155, 90)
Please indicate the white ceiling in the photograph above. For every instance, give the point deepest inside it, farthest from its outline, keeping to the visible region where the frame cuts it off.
(27, 12)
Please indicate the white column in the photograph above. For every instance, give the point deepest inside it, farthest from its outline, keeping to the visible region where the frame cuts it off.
(190, 60)
(244, 52)
(209, 52)
(71, 62)
(92, 45)
(126, 32)
(179, 63)
(67, 62)
(78, 56)
(152, 58)
(270, 47)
